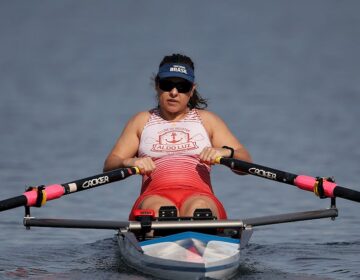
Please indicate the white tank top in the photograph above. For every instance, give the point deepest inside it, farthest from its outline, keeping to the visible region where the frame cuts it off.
(161, 137)
(174, 147)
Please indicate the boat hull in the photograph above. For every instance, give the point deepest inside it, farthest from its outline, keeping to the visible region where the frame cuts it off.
(187, 255)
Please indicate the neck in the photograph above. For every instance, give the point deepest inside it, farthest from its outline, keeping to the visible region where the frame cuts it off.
(173, 116)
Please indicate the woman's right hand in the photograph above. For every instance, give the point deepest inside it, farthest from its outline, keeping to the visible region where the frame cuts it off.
(145, 164)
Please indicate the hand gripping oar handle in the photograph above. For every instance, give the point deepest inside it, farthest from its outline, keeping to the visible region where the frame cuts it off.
(308, 183)
(30, 198)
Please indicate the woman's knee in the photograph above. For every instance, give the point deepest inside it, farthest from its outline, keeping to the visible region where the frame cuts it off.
(198, 202)
(155, 202)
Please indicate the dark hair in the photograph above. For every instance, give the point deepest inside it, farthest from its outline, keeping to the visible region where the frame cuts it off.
(196, 101)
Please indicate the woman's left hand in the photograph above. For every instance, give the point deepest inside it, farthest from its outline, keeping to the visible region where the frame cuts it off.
(209, 154)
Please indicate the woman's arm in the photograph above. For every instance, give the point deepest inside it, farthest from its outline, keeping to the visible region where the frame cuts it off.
(124, 152)
(220, 135)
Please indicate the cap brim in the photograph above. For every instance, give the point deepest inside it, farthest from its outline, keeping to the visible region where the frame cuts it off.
(165, 75)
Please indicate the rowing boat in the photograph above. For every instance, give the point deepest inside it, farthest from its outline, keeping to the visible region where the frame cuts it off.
(177, 250)
(186, 255)
(182, 247)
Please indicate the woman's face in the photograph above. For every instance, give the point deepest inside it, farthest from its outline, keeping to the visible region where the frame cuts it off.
(174, 94)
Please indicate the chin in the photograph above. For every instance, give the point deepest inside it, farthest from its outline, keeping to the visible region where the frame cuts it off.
(173, 108)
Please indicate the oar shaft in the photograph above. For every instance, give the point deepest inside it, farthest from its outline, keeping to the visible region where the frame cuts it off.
(347, 193)
(99, 180)
(303, 182)
(259, 170)
(13, 202)
(30, 198)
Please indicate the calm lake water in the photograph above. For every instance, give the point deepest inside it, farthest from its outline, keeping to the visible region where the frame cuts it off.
(284, 75)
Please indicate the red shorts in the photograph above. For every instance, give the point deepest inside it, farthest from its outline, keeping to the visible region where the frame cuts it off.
(178, 196)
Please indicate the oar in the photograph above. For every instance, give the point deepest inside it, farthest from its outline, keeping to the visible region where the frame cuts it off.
(322, 188)
(39, 195)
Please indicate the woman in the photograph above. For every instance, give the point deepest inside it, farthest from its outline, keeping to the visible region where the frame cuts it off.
(175, 144)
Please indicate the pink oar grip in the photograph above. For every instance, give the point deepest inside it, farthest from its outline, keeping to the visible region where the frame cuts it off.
(307, 183)
(52, 192)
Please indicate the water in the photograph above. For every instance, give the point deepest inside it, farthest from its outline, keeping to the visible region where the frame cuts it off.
(282, 74)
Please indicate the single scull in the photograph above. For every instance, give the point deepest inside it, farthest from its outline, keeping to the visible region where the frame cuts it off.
(188, 247)
(177, 250)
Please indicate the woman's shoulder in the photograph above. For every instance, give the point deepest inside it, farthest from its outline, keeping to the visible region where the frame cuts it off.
(142, 115)
(208, 116)
(145, 115)
(139, 119)
(210, 121)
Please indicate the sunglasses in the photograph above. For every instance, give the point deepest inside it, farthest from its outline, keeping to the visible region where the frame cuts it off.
(181, 86)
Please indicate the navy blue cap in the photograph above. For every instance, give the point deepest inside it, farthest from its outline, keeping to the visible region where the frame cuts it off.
(176, 70)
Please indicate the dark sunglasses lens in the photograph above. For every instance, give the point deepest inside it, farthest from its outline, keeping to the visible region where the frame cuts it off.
(183, 86)
(166, 85)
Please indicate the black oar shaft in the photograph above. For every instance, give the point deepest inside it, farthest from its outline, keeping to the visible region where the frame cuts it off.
(30, 198)
(13, 202)
(98, 180)
(259, 170)
(347, 193)
(304, 182)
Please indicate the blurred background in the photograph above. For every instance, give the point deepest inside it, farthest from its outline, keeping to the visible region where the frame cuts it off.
(284, 75)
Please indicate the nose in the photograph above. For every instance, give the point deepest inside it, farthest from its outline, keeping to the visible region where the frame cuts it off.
(174, 92)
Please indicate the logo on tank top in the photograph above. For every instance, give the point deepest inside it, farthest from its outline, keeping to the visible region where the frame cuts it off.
(174, 140)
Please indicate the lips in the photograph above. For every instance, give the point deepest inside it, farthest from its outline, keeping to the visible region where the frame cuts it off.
(172, 101)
